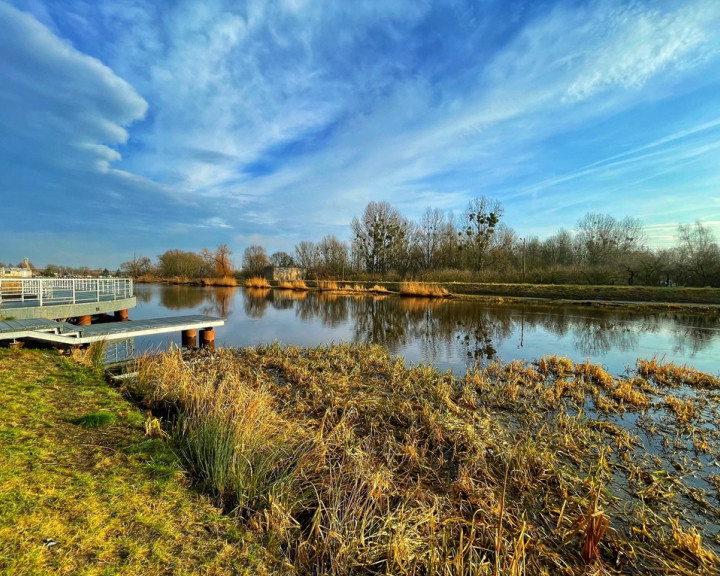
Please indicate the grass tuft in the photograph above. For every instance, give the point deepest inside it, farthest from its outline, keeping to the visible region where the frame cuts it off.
(94, 419)
(257, 282)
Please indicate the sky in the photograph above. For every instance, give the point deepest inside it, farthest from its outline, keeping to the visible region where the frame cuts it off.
(129, 128)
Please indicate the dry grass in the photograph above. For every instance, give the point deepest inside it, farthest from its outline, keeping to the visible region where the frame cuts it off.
(256, 282)
(669, 374)
(423, 289)
(298, 285)
(327, 285)
(227, 281)
(346, 461)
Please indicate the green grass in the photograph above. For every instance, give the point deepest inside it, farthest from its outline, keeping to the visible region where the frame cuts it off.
(113, 500)
(94, 419)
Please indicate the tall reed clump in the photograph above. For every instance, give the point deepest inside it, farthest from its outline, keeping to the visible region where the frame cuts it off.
(423, 289)
(257, 282)
(92, 356)
(327, 285)
(225, 430)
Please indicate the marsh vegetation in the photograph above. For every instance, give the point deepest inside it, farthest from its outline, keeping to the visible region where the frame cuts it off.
(346, 461)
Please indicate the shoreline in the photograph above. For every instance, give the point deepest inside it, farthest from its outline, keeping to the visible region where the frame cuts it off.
(652, 299)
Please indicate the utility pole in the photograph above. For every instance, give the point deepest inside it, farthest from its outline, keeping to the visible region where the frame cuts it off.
(523, 261)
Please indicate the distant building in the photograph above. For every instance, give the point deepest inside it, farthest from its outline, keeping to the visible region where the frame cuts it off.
(15, 273)
(273, 273)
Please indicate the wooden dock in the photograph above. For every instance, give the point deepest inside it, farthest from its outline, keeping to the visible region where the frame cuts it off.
(57, 332)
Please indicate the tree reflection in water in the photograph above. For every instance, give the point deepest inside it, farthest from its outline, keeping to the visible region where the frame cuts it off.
(255, 301)
(441, 329)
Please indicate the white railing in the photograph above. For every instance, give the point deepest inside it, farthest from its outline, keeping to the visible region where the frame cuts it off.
(19, 292)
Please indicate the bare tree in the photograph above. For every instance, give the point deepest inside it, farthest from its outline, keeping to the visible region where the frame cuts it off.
(480, 220)
(306, 255)
(332, 256)
(430, 233)
(378, 235)
(255, 260)
(699, 255)
(282, 260)
(138, 266)
(219, 260)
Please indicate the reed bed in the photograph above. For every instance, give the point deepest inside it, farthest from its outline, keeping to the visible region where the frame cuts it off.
(348, 462)
(226, 281)
(423, 289)
(332, 286)
(298, 285)
(327, 285)
(257, 282)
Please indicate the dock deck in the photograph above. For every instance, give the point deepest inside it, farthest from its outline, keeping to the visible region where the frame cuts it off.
(58, 332)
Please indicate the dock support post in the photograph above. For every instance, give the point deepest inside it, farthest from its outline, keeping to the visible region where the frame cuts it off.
(189, 338)
(84, 320)
(207, 338)
(121, 315)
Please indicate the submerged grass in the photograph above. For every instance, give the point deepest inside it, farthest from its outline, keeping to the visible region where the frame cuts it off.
(345, 461)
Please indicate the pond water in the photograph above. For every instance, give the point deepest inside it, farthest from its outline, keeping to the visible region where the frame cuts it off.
(451, 335)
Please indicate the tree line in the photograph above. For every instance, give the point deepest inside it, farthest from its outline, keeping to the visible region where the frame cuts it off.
(477, 245)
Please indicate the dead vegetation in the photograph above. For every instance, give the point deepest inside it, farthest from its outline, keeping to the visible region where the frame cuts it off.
(298, 285)
(423, 289)
(346, 461)
(257, 283)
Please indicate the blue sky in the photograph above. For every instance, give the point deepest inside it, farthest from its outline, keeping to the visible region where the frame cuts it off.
(135, 127)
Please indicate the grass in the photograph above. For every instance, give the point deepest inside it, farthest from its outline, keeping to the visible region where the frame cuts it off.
(94, 419)
(298, 285)
(327, 285)
(343, 460)
(423, 289)
(257, 282)
(228, 281)
(79, 499)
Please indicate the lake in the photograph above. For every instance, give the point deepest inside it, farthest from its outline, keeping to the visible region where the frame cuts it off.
(451, 335)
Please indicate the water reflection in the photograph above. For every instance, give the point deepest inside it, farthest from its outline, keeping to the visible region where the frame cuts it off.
(451, 333)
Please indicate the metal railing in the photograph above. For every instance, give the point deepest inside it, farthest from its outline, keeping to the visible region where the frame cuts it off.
(20, 292)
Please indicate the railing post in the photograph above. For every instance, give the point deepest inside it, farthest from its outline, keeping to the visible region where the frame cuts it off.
(72, 280)
(97, 289)
(40, 291)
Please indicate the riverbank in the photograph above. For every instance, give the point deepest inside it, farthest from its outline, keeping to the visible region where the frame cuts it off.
(619, 295)
(84, 489)
(640, 298)
(340, 460)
